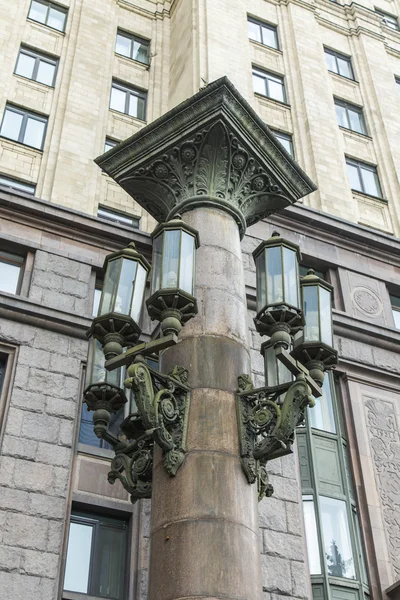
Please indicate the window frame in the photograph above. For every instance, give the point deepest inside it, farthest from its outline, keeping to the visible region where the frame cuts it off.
(15, 259)
(55, 6)
(133, 38)
(26, 114)
(339, 55)
(112, 143)
(397, 83)
(385, 19)
(38, 56)
(258, 72)
(129, 90)
(117, 213)
(395, 304)
(348, 106)
(17, 181)
(271, 27)
(286, 136)
(96, 521)
(9, 354)
(360, 165)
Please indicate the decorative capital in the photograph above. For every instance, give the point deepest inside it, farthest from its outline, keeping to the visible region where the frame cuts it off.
(212, 150)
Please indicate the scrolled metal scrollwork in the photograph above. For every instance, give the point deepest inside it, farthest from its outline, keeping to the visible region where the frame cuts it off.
(267, 419)
(134, 468)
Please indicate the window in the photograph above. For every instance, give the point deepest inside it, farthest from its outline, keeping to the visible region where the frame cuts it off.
(109, 143)
(269, 85)
(329, 508)
(86, 433)
(36, 66)
(286, 141)
(130, 101)
(133, 47)
(388, 20)
(17, 185)
(363, 177)
(50, 14)
(397, 80)
(96, 298)
(263, 33)
(124, 218)
(395, 300)
(96, 555)
(11, 268)
(350, 116)
(23, 126)
(339, 63)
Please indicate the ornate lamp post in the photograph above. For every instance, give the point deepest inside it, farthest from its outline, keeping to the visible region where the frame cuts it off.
(213, 161)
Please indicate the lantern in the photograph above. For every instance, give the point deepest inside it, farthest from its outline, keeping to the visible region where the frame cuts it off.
(314, 345)
(121, 300)
(276, 373)
(278, 293)
(172, 285)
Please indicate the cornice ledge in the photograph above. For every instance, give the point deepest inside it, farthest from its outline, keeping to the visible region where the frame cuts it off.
(302, 3)
(211, 149)
(134, 8)
(391, 50)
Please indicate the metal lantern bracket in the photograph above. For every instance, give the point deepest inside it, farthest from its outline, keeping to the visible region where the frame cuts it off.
(267, 422)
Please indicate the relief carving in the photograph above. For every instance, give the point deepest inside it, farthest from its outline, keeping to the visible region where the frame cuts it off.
(367, 301)
(385, 444)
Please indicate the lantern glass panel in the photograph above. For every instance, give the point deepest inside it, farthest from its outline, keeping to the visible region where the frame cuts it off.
(110, 286)
(157, 262)
(310, 298)
(187, 263)
(125, 286)
(275, 371)
(326, 316)
(274, 275)
(290, 277)
(96, 371)
(170, 265)
(138, 294)
(261, 281)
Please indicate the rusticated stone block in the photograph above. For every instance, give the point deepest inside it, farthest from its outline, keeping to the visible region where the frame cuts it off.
(272, 514)
(276, 575)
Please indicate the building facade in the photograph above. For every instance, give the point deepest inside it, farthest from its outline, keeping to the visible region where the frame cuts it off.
(77, 78)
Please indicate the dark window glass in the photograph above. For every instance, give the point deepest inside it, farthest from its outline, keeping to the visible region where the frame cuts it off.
(86, 433)
(50, 14)
(268, 84)
(339, 63)
(96, 556)
(286, 141)
(133, 47)
(23, 126)
(263, 33)
(36, 66)
(130, 101)
(363, 177)
(350, 116)
(124, 218)
(388, 20)
(17, 185)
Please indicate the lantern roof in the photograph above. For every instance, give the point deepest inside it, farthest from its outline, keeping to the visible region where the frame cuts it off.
(128, 252)
(212, 149)
(274, 241)
(312, 279)
(176, 223)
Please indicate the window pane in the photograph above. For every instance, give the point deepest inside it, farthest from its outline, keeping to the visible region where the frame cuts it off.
(344, 67)
(286, 143)
(96, 302)
(25, 65)
(311, 537)
(331, 62)
(111, 562)
(141, 113)
(341, 116)
(140, 52)
(34, 133)
(254, 31)
(321, 415)
(354, 177)
(45, 73)
(11, 124)
(38, 12)
(56, 19)
(259, 84)
(78, 558)
(123, 45)
(118, 98)
(133, 105)
(18, 185)
(269, 37)
(337, 545)
(9, 276)
(107, 146)
(396, 317)
(370, 180)
(276, 89)
(356, 121)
